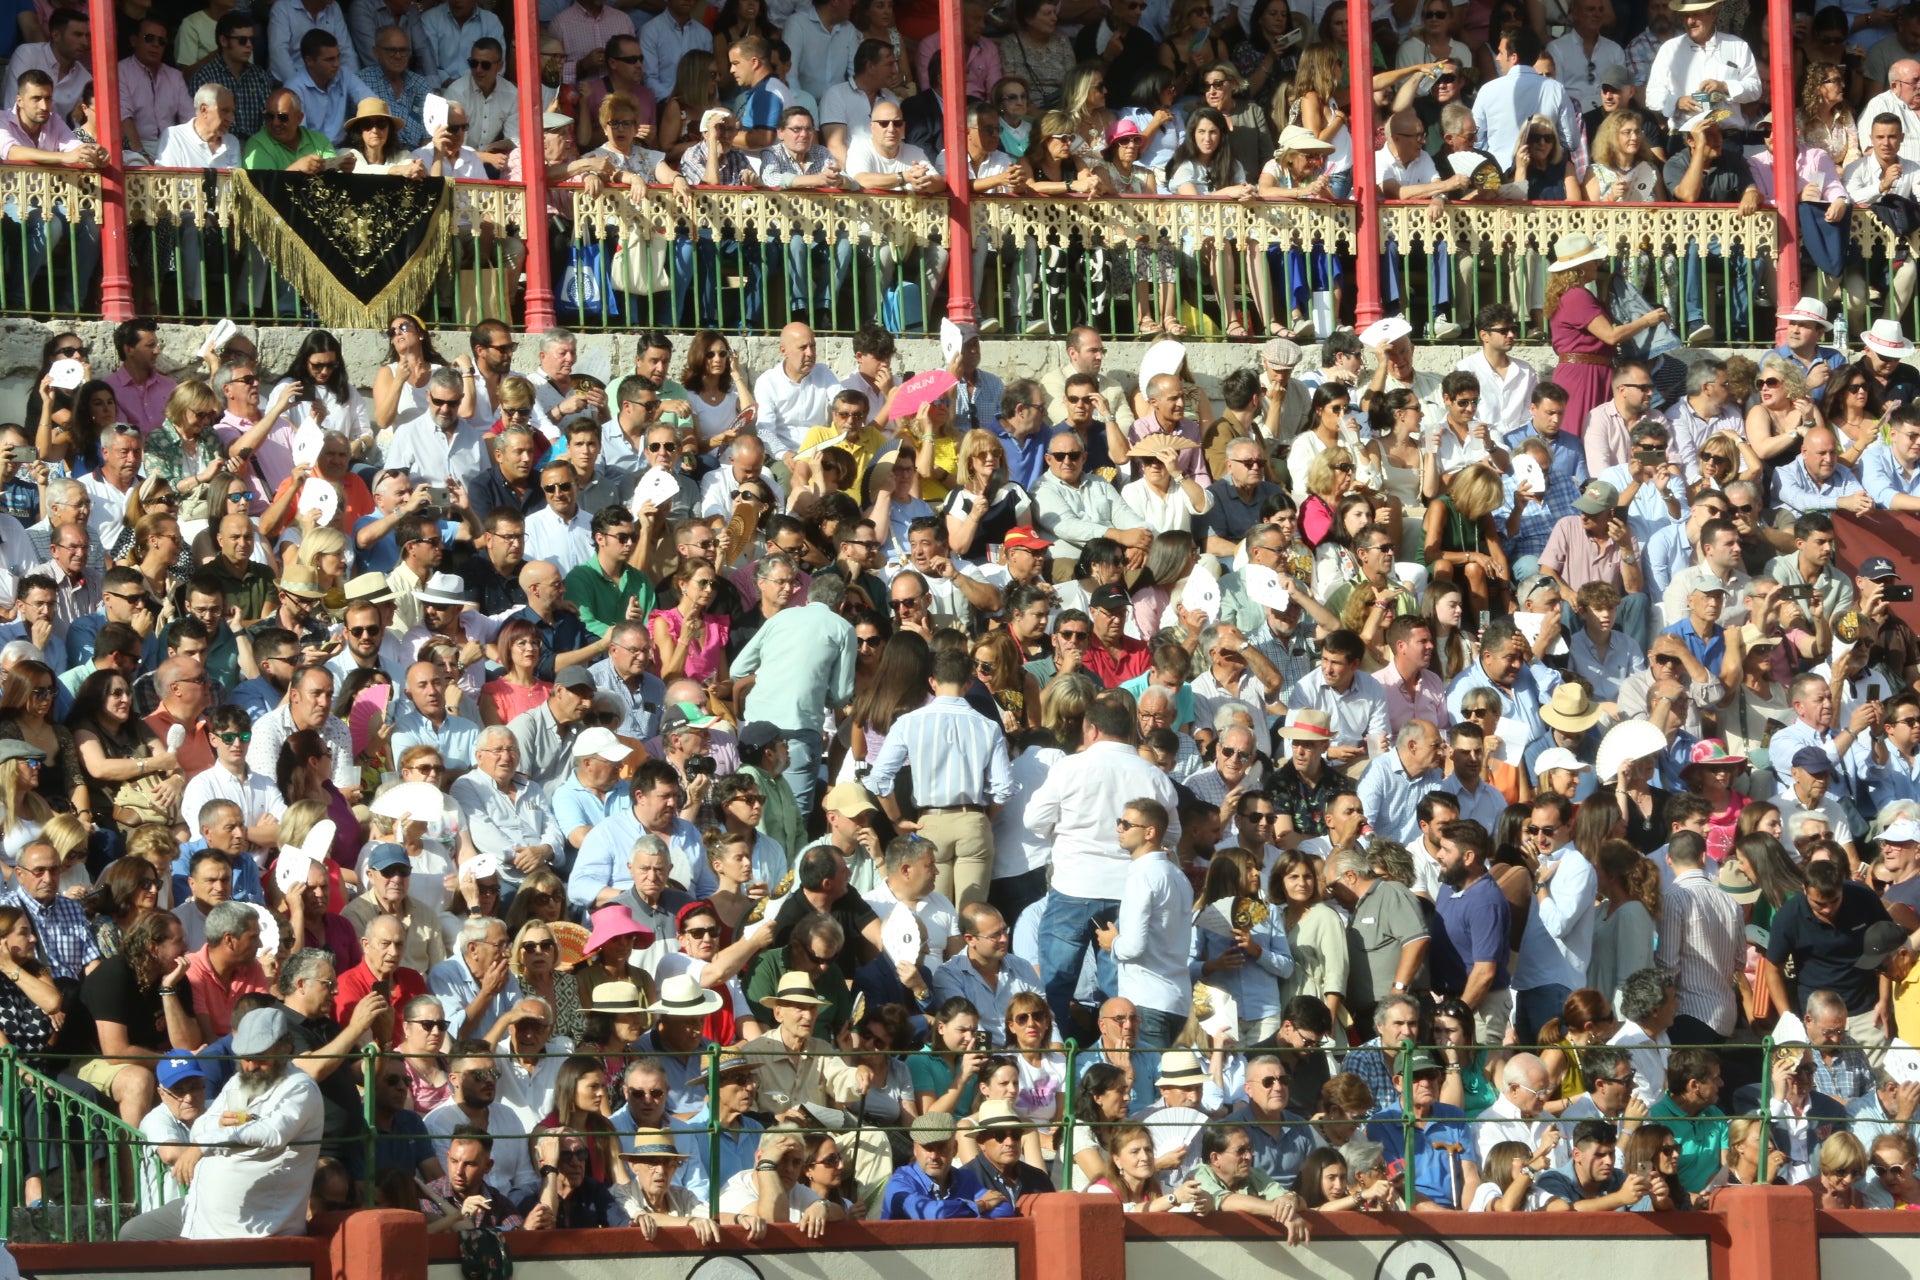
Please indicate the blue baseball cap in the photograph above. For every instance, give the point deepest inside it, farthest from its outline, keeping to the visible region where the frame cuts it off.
(1877, 568)
(1813, 760)
(172, 1072)
(388, 857)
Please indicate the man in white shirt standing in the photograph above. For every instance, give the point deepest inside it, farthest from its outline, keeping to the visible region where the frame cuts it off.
(1902, 99)
(1581, 54)
(1152, 932)
(1506, 382)
(1699, 62)
(1079, 807)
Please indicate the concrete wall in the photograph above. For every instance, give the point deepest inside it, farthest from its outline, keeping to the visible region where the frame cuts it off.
(612, 353)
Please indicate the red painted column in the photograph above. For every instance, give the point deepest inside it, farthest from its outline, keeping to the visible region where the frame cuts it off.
(1786, 154)
(116, 266)
(953, 95)
(1367, 242)
(526, 64)
(1771, 1233)
(1078, 1236)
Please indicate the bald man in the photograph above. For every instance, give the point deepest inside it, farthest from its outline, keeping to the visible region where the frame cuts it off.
(564, 640)
(793, 395)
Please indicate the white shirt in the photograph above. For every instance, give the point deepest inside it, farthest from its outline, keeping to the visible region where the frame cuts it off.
(465, 165)
(254, 1178)
(1016, 849)
(1649, 1054)
(256, 794)
(789, 408)
(1909, 122)
(564, 544)
(720, 486)
(513, 1169)
(1077, 806)
(182, 148)
(490, 116)
(741, 1194)
(863, 158)
(1418, 170)
(1862, 178)
(1579, 71)
(530, 1090)
(1155, 925)
(1682, 66)
(421, 448)
(1502, 1122)
(935, 911)
(847, 104)
(1506, 404)
(1163, 515)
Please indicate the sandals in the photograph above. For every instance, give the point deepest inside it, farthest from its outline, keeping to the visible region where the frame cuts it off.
(1148, 326)
(1236, 329)
(1174, 329)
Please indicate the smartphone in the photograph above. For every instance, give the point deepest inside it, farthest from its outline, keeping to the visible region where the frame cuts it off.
(25, 454)
(1621, 513)
(437, 495)
(1653, 457)
(1897, 593)
(1800, 591)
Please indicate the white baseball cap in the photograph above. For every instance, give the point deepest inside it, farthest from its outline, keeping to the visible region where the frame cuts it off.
(1558, 758)
(600, 742)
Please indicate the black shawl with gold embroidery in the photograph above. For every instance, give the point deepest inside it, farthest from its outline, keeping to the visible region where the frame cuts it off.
(357, 249)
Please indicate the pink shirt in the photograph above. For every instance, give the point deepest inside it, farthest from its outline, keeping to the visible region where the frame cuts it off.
(154, 100)
(583, 33)
(54, 135)
(511, 699)
(142, 404)
(1577, 558)
(703, 659)
(1427, 700)
(983, 65)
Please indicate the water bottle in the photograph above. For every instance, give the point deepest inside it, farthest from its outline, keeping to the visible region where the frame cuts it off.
(1840, 329)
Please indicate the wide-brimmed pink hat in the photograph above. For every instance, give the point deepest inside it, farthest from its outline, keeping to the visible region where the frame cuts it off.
(1709, 753)
(615, 921)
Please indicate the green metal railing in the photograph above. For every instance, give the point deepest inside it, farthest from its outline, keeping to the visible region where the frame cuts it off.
(97, 1171)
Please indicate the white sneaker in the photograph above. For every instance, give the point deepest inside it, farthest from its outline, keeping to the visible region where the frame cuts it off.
(1445, 331)
(1036, 328)
(990, 324)
(1700, 336)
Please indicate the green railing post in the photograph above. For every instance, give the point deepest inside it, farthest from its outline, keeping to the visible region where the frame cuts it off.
(1066, 1132)
(713, 1132)
(1408, 1129)
(1766, 1107)
(12, 1150)
(370, 1067)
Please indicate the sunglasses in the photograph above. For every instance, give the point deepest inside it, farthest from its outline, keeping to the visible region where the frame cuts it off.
(438, 403)
(1073, 455)
(282, 117)
(1541, 831)
(231, 738)
(70, 352)
(431, 1024)
(704, 931)
(478, 64)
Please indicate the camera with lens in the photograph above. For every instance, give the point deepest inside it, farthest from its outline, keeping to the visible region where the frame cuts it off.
(698, 766)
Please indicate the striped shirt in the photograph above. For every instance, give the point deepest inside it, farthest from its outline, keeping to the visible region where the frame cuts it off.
(958, 756)
(1703, 938)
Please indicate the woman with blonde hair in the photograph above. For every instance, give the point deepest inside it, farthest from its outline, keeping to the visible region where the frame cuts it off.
(184, 449)
(515, 405)
(1786, 411)
(1298, 171)
(1084, 103)
(1542, 161)
(630, 161)
(1329, 478)
(155, 552)
(1623, 169)
(1823, 119)
(983, 506)
(1063, 708)
(1034, 1048)
(534, 960)
(1725, 459)
(323, 552)
(1309, 101)
(996, 661)
(1580, 329)
(26, 714)
(1462, 542)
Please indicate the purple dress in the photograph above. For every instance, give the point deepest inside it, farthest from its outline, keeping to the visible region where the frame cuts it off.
(1587, 385)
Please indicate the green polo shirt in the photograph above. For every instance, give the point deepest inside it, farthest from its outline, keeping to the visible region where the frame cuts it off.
(602, 600)
(780, 819)
(262, 152)
(1702, 1138)
(1259, 1185)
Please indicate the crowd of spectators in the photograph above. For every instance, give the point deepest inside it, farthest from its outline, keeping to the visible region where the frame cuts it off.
(860, 741)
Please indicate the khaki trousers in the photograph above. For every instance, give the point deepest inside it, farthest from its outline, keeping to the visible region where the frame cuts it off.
(963, 854)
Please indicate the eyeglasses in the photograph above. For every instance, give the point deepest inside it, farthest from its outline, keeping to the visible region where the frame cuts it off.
(1074, 637)
(1030, 1019)
(1125, 825)
(889, 124)
(1214, 83)
(623, 537)
(403, 326)
(1342, 466)
(1260, 819)
(1267, 1082)
(539, 946)
(393, 48)
(1771, 382)
(753, 797)
(1633, 386)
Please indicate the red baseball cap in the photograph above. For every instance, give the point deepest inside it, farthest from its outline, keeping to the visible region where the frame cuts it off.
(1025, 538)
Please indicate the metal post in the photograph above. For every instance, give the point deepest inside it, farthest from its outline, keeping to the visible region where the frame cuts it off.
(953, 96)
(370, 1067)
(713, 1132)
(116, 265)
(1368, 242)
(1786, 167)
(533, 173)
(1408, 1129)
(1066, 1132)
(13, 1178)
(1766, 1103)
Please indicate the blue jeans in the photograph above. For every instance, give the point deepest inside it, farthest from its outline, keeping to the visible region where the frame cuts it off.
(803, 770)
(1825, 242)
(815, 270)
(1693, 291)
(41, 247)
(1158, 1028)
(1534, 1008)
(1066, 931)
(704, 259)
